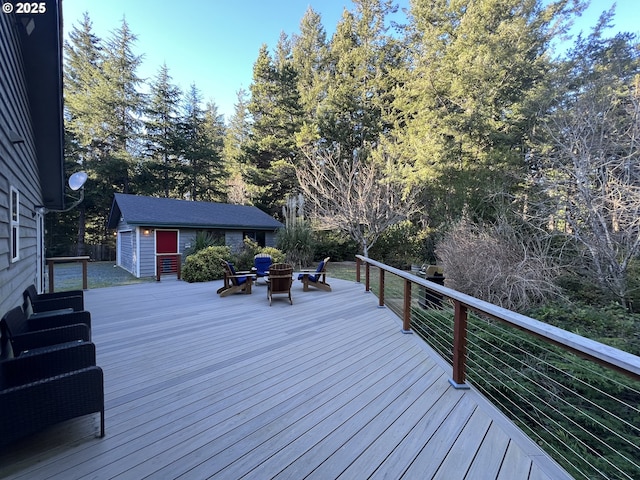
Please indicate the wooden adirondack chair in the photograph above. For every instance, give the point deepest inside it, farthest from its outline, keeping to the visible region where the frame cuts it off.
(316, 278)
(235, 282)
(280, 280)
(261, 264)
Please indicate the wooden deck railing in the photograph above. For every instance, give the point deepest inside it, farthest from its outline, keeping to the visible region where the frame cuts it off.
(168, 263)
(542, 377)
(605, 355)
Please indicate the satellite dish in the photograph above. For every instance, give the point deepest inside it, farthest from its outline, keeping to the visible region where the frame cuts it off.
(77, 180)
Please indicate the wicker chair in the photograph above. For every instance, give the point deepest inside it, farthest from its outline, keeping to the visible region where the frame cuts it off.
(280, 280)
(235, 282)
(38, 391)
(316, 278)
(45, 302)
(19, 335)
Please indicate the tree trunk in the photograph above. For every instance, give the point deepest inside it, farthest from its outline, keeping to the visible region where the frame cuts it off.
(80, 247)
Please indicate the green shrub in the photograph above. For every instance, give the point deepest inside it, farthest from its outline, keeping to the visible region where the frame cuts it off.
(298, 243)
(334, 244)
(610, 323)
(277, 256)
(243, 260)
(400, 246)
(205, 265)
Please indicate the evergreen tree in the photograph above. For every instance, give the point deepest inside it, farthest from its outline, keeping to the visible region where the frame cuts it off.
(310, 60)
(215, 131)
(276, 116)
(123, 103)
(467, 103)
(235, 140)
(84, 130)
(362, 55)
(159, 173)
(201, 141)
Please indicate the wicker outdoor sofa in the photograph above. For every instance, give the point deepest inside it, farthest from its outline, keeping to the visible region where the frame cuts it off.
(48, 371)
(37, 391)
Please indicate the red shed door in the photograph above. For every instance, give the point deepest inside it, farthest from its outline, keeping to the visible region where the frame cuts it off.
(167, 242)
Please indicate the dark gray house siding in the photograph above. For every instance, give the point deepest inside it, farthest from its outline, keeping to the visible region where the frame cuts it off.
(139, 220)
(23, 163)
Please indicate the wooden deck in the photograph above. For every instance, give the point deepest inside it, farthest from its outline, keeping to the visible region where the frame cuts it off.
(199, 386)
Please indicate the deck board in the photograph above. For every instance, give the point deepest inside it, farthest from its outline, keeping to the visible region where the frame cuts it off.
(199, 386)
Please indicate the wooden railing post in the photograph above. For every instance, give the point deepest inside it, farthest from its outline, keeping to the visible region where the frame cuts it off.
(367, 286)
(459, 345)
(406, 317)
(358, 261)
(381, 293)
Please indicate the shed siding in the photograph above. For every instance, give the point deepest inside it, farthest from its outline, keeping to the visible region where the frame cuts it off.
(126, 250)
(18, 168)
(147, 253)
(186, 239)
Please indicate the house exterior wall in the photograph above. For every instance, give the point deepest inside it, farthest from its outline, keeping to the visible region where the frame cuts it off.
(234, 240)
(271, 239)
(18, 169)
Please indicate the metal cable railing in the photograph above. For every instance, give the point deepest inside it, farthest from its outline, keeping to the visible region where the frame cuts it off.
(576, 398)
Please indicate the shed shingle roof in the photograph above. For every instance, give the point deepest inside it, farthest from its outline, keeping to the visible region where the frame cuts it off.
(169, 212)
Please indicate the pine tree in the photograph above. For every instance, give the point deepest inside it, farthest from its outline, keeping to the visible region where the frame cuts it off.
(159, 172)
(353, 115)
(122, 105)
(467, 102)
(310, 60)
(84, 131)
(276, 117)
(201, 141)
(235, 140)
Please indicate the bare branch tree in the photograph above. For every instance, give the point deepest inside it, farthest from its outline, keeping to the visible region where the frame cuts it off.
(360, 198)
(592, 174)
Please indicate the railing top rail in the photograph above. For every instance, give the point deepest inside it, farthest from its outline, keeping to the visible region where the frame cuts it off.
(604, 354)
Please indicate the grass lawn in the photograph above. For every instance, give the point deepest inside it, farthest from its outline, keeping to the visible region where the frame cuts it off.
(68, 276)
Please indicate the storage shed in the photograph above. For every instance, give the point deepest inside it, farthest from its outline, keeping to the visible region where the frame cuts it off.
(148, 227)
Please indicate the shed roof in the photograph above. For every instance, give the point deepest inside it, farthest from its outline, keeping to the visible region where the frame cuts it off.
(169, 212)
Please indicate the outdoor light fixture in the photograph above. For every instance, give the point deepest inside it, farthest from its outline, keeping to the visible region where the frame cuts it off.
(146, 231)
(76, 182)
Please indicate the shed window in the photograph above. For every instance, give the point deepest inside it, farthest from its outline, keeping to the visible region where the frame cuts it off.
(14, 208)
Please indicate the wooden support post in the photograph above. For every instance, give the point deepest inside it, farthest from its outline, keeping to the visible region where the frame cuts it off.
(85, 280)
(367, 286)
(381, 294)
(406, 316)
(51, 277)
(84, 259)
(459, 346)
(358, 261)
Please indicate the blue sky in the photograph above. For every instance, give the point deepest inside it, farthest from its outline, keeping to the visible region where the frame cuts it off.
(214, 43)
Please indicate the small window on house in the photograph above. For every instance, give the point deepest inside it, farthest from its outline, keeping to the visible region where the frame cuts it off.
(14, 208)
